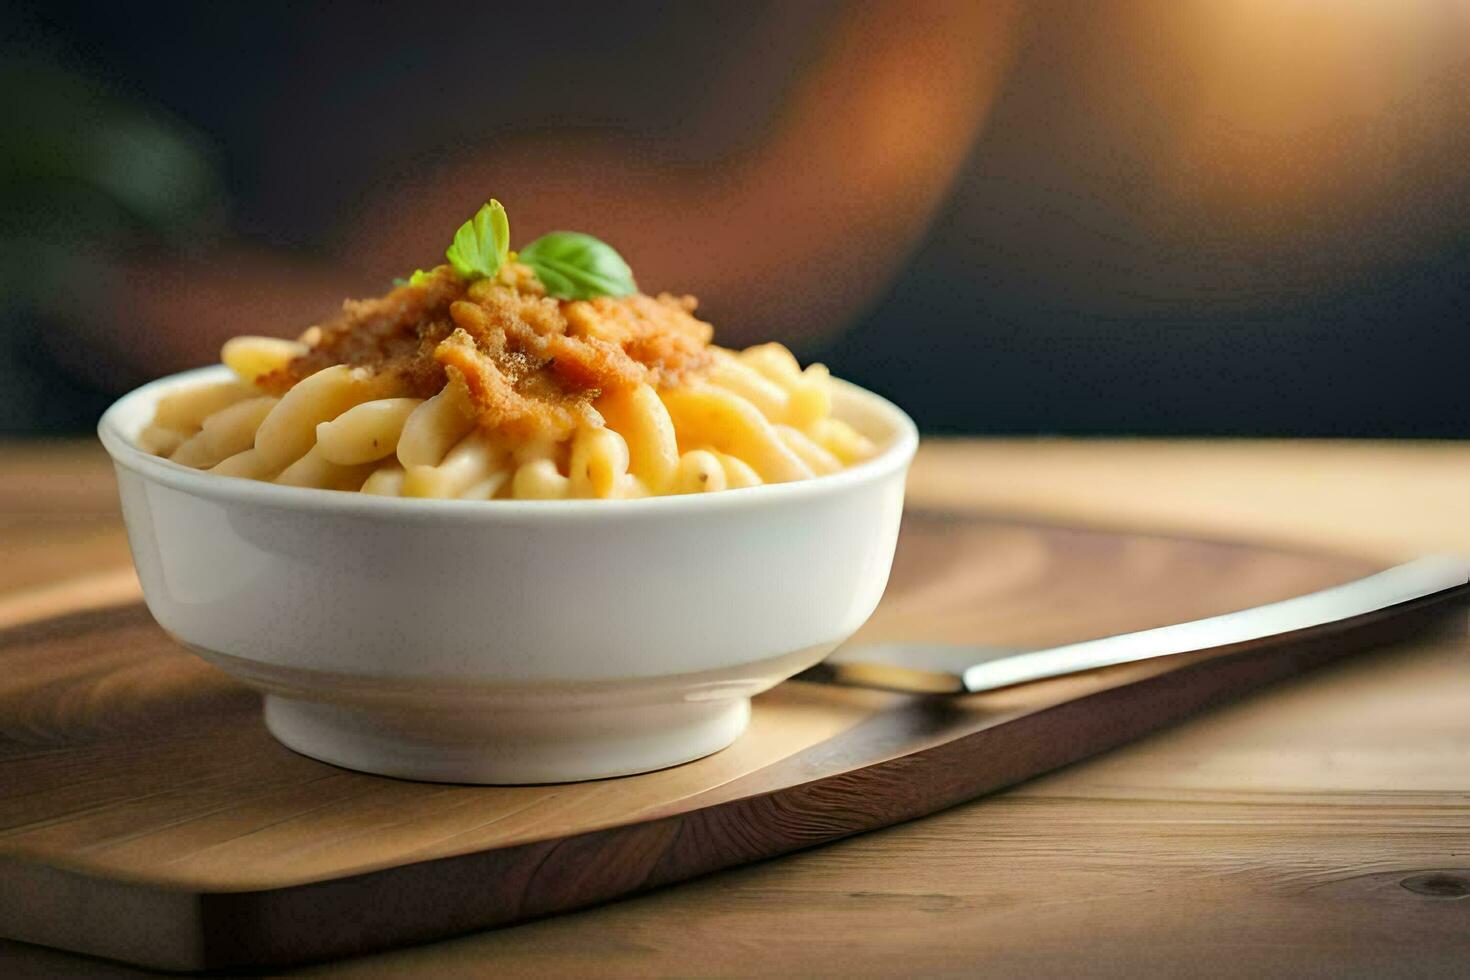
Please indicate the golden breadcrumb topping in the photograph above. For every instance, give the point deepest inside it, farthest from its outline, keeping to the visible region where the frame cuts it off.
(531, 364)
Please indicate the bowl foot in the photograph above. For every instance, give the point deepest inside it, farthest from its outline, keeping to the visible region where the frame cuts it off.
(499, 747)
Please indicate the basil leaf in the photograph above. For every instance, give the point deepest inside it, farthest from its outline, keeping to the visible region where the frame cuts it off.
(572, 265)
(418, 278)
(481, 244)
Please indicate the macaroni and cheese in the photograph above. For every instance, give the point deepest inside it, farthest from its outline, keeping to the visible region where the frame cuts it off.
(509, 383)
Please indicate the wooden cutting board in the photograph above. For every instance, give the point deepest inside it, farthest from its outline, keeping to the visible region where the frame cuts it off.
(147, 816)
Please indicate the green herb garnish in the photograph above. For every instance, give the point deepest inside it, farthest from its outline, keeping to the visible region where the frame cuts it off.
(482, 243)
(572, 265)
(569, 264)
(418, 278)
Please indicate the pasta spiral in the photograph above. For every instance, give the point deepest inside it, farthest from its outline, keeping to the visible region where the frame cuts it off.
(757, 417)
(580, 414)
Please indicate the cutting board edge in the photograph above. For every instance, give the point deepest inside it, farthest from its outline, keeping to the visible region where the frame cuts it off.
(204, 930)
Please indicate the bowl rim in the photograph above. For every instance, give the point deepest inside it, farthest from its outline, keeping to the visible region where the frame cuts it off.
(125, 453)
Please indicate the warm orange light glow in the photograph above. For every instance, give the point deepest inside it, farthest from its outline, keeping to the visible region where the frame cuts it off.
(1305, 117)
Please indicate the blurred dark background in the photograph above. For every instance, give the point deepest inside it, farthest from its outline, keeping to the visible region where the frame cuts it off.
(1247, 217)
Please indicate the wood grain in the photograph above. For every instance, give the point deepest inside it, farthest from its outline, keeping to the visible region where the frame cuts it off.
(148, 771)
(1270, 837)
(1393, 500)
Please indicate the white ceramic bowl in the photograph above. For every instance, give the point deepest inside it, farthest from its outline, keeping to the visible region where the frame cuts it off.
(509, 641)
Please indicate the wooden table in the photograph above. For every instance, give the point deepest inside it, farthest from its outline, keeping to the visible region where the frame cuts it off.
(1320, 828)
